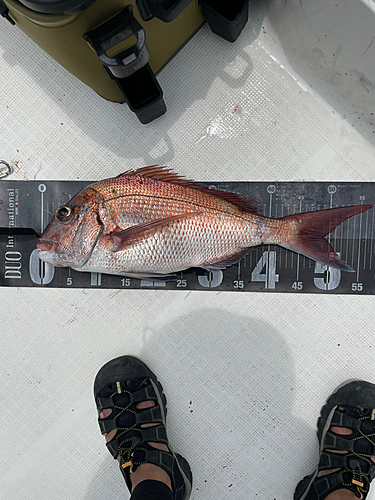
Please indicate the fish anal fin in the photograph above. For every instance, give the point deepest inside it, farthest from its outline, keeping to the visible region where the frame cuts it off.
(229, 261)
(166, 174)
(139, 232)
(322, 252)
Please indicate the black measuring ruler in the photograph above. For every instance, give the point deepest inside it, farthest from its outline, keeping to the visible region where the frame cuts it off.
(26, 207)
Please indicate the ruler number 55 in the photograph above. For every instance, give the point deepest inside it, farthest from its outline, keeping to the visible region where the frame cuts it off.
(357, 287)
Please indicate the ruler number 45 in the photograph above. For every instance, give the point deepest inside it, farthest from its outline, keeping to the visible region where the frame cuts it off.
(297, 285)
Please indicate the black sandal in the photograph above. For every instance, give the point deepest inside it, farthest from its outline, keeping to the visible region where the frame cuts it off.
(356, 469)
(131, 440)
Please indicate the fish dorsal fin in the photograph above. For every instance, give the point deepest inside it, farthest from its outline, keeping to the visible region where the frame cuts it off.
(134, 234)
(166, 174)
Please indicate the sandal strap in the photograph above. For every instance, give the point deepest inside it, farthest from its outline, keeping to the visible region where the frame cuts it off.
(342, 419)
(332, 461)
(146, 393)
(161, 458)
(107, 425)
(164, 459)
(326, 484)
(348, 480)
(149, 415)
(156, 434)
(103, 403)
(335, 442)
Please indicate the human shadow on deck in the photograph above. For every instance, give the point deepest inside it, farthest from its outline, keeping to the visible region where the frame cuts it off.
(229, 382)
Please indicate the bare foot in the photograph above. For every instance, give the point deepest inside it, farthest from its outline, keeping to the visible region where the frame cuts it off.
(144, 471)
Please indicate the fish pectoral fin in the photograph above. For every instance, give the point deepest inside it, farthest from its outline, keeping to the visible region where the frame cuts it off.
(228, 261)
(139, 232)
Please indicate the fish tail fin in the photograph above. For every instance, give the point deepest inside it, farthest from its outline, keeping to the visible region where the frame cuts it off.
(311, 227)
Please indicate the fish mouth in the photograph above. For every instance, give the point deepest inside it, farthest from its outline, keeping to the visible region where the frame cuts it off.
(46, 253)
(45, 245)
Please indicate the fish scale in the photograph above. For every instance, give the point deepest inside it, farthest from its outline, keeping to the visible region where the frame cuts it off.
(174, 242)
(125, 204)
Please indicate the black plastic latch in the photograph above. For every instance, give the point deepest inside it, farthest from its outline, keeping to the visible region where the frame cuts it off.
(114, 31)
(4, 12)
(129, 68)
(165, 10)
(142, 93)
(226, 19)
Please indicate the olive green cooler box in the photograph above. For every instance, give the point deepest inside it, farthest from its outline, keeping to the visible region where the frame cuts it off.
(116, 47)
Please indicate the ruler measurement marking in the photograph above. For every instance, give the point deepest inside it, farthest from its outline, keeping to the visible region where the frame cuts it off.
(298, 256)
(372, 237)
(285, 250)
(286, 253)
(41, 214)
(340, 237)
(292, 253)
(365, 245)
(359, 243)
(353, 247)
(269, 246)
(347, 241)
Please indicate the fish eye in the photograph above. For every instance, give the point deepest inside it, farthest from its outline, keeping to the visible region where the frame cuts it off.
(64, 214)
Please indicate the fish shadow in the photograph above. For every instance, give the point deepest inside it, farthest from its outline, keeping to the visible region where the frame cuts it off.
(229, 382)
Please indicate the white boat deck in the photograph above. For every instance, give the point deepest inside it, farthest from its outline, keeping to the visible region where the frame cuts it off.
(245, 374)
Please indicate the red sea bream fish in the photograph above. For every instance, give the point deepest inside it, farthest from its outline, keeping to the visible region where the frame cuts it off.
(152, 223)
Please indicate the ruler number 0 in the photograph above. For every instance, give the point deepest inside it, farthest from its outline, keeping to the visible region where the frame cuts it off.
(41, 273)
